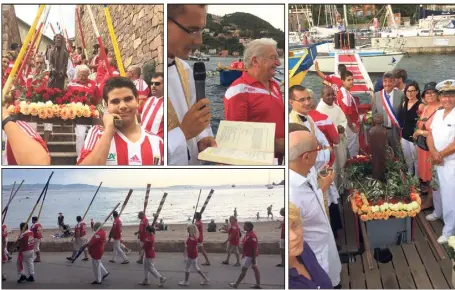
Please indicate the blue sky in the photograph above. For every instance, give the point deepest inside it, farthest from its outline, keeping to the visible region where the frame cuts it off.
(140, 177)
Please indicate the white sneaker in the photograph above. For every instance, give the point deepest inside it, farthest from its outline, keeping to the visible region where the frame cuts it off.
(431, 217)
(144, 283)
(162, 281)
(443, 239)
(205, 282)
(184, 283)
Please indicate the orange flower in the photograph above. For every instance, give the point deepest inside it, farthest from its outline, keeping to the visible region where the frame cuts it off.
(365, 208)
(34, 112)
(49, 113)
(42, 113)
(364, 217)
(71, 114)
(376, 215)
(64, 114)
(370, 215)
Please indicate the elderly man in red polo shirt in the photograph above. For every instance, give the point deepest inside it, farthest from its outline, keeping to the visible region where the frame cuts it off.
(256, 95)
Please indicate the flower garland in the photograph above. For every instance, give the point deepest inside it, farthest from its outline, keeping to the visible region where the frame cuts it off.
(384, 210)
(49, 110)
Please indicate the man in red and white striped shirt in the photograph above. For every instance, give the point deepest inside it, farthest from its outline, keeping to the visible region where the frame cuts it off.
(143, 91)
(128, 144)
(152, 118)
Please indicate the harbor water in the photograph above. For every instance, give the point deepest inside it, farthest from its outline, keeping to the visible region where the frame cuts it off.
(421, 68)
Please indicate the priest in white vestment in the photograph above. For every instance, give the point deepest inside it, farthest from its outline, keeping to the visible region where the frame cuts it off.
(189, 130)
(336, 115)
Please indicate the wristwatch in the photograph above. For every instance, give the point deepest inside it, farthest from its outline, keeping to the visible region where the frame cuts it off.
(7, 119)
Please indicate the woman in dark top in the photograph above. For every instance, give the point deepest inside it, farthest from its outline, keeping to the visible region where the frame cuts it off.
(304, 269)
(412, 106)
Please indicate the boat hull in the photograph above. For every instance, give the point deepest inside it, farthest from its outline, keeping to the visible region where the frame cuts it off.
(227, 77)
(373, 63)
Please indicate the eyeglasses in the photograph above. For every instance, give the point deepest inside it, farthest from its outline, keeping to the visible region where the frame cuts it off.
(191, 33)
(155, 84)
(318, 148)
(302, 100)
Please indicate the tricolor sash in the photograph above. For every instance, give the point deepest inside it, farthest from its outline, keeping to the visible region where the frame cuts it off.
(172, 118)
(389, 109)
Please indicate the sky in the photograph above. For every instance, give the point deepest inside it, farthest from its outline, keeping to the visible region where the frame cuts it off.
(140, 177)
(65, 15)
(274, 14)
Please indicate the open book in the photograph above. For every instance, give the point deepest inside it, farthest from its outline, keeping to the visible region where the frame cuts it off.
(242, 143)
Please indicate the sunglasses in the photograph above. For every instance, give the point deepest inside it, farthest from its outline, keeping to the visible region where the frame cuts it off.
(191, 33)
(155, 84)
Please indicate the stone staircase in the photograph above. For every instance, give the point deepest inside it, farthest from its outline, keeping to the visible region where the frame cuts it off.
(61, 144)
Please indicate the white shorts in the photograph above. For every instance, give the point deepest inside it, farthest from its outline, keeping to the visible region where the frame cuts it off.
(36, 246)
(282, 244)
(80, 243)
(247, 262)
(192, 262)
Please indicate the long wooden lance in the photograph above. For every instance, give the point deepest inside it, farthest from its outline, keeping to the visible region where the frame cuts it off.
(207, 201)
(91, 202)
(158, 211)
(79, 252)
(52, 28)
(39, 198)
(100, 41)
(5, 210)
(118, 56)
(197, 203)
(31, 47)
(81, 31)
(43, 30)
(125, 202)
(147, 194)
(42, 204)
(31, 31)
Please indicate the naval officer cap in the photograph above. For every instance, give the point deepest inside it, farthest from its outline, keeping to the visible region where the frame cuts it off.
(447, 86)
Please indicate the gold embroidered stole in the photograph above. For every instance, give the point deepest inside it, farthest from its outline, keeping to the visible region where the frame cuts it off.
(172, 118)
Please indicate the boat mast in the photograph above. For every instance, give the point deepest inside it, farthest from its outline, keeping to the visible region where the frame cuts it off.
(345, 17)
(325, 12)
(389, 9)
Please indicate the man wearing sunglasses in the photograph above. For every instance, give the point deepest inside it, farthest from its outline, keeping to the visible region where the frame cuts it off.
(152, 114)
(307, 194)
(189, 130)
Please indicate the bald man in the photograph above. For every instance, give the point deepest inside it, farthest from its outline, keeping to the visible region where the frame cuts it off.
(306, 194)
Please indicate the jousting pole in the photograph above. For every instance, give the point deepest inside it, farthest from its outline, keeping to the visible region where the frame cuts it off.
(31, 31)
(118, 56)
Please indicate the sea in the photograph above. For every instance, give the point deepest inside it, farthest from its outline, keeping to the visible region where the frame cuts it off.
(422, 68)
(178, 207)
(215, 92)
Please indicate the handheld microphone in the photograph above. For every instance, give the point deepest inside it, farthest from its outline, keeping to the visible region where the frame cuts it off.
(199, 75)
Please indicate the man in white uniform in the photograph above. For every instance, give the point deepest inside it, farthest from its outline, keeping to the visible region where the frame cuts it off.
(307, 195)
(336, 115)
(441, 143)
(189, 130)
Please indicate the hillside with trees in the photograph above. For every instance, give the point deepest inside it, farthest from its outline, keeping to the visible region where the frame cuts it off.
(225, 32)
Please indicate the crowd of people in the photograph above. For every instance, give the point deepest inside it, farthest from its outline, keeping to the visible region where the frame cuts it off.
(420, 127)
(254, 97)
(93, 247)
(138, 103)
